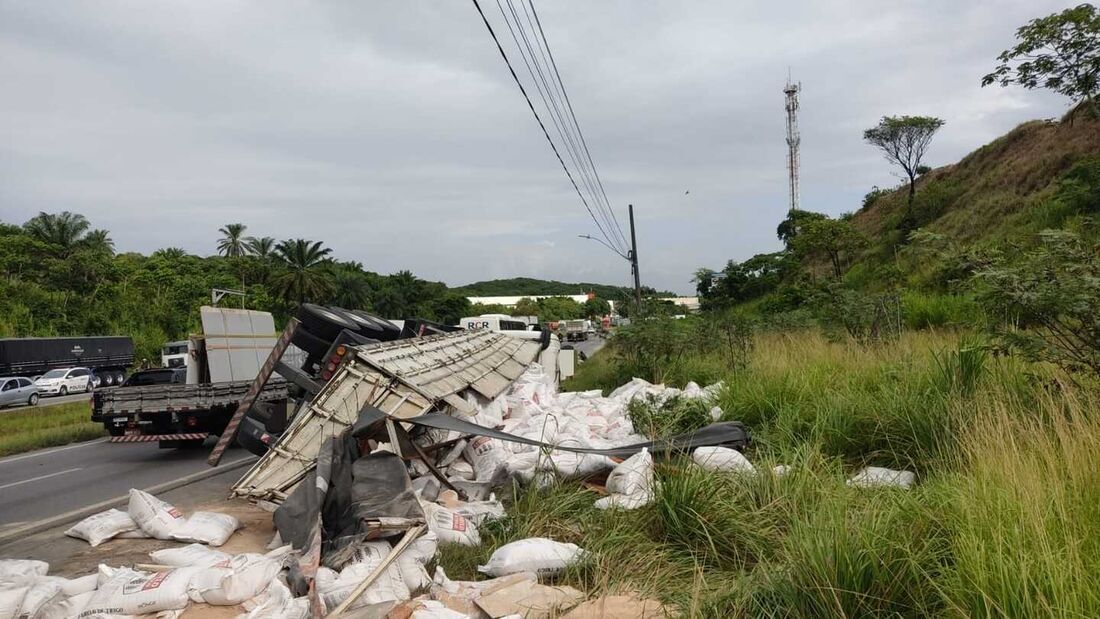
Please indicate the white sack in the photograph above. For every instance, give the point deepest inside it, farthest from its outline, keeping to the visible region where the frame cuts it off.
(10, 601)
(542, 556)
(633, 475)
(278, 603)
(73, 586)
(153, 515)
(67, 608)
(38, 597)
(479, 512)
(487, 455)
(207, 528)
(879, 477)
(722, 459)
(461, 469)
(22, 570)
(624, 501)
(388, 587)
(128, 592)
(449, 526)
(98, 528)
(246, 576)
(411, 562)
(191, 555)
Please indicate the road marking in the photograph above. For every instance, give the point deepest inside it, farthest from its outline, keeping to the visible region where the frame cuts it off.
(9, 534)
(45, 452)
(40, 477)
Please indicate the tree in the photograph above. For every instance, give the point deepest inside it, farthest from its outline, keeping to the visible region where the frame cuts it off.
(596, 307)
(64, 229)
(351, 288)
(796, 219)
(1059, 52)
(525, 307)
(305, 276)
(830, 238)
(903, 140)
(233, 243)
(98, 241)
(262, 247)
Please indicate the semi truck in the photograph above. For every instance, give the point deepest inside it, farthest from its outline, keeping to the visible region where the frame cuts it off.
(108, 357)
(220, 365)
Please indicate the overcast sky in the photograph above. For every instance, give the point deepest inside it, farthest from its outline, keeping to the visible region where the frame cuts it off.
(393, 131)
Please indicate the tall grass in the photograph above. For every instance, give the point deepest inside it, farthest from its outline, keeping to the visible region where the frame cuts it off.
(1004, 520)
(46, 426)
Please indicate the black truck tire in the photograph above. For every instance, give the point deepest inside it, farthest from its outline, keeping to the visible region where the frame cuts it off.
(369, 326)
(323, 322)
(387, 331)
(307, 341)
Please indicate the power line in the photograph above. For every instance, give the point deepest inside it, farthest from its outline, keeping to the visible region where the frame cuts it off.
(569, 104)
(561, 103)
(550, 101)
(530, 105)
(556, 115)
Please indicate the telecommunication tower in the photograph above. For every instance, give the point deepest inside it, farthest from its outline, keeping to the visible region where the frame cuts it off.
(793, 138)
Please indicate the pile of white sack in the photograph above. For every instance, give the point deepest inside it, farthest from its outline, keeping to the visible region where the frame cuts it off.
(193, 573)
(148, 516)
(533, 409)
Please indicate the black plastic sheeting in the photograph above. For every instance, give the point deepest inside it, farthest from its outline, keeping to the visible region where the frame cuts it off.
(732, 434)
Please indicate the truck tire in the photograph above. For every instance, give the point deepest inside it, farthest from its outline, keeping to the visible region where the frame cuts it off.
(365, 325)
(120, 377)
(387, 331)
(323, 322)
(307, 341)
(97, 380)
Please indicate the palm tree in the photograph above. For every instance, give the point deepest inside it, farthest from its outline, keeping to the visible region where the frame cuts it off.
(352, 289)
(232, 243)
(305, 274)
(98, 240)
(64, 229)
(170, 253)
(262, 247)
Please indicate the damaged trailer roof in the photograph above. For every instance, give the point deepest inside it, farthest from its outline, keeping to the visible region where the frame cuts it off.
(405, 378)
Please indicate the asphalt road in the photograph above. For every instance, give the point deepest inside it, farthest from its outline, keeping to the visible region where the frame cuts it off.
(51, 400)
(590, 346)
(50, 482)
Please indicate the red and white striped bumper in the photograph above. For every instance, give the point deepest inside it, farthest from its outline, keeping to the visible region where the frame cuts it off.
(142, 438)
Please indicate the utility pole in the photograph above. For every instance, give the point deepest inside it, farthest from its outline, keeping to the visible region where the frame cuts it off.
(634, 259)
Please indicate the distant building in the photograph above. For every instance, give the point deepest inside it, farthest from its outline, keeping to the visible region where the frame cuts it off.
(691, 304)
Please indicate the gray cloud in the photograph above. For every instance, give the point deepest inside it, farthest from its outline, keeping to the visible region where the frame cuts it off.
(392, 130)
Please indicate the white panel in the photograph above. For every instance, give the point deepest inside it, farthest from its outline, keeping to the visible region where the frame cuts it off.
(237, 342)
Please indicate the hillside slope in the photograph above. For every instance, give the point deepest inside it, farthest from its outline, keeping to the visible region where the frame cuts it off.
(989, 193)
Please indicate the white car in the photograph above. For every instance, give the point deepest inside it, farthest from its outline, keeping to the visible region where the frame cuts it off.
(64, 381)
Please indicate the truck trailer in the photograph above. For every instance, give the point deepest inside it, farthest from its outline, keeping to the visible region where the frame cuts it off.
(108, 357)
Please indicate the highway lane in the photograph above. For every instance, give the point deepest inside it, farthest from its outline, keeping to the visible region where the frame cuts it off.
(48, 482)
(590, 346)
(50, 401)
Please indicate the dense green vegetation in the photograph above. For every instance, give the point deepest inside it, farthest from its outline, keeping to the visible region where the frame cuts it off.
(61, 278)
(46, 426)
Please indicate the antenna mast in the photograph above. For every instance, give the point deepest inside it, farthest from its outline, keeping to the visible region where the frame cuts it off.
(793, 138)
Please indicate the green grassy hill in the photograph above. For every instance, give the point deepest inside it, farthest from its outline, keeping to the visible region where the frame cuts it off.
(1000, 191)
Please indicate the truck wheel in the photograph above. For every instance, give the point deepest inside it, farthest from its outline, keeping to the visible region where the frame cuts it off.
(315, 346)
(387, 331)
(115, 430)
(120, 377)
(323, 322)
(96, 380)
(33, 400)
(107, 379)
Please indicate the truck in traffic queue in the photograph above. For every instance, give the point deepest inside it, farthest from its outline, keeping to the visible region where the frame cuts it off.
(574, 330)
(106, 359)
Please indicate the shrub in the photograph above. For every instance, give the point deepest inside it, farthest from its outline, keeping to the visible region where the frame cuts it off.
(1050, 298)
(924, 311)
